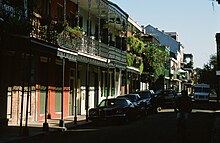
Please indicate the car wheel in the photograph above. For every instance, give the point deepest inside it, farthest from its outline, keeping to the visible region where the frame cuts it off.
(159, 109)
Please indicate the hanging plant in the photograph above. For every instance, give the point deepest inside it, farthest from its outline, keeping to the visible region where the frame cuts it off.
(74, 32)
(130, 59)
(136, 45)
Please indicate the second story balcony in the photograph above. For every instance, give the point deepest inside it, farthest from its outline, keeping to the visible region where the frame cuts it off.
(102, 30)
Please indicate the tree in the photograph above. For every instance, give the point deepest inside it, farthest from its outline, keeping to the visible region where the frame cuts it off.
(155, 60)
(208, 73)
(149, 57)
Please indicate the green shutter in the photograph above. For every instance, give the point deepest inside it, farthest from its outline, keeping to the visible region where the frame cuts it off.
(42, 101)
(58, 97)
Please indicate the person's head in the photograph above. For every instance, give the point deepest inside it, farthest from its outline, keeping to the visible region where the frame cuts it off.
(184, 93)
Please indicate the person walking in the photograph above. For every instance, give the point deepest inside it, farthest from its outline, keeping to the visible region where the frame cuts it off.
(184, 108)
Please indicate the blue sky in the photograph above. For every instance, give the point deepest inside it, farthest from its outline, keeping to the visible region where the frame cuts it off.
(195, 21)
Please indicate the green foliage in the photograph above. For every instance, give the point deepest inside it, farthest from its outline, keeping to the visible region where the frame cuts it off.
(155, 60)
(208, 73)
(135, 57)
(136, 45)
(129, 59)
(212, 64)
(75, 32)
(141, 68)
(213, 61)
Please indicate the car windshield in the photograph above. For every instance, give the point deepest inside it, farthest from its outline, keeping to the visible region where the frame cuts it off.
(165, 92)
(113, 102)
(145, 94)
(121, 102)
(132, 98)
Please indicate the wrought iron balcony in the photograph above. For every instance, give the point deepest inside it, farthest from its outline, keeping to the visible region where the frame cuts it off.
(117, 56)
(44, 33)
(82, 44)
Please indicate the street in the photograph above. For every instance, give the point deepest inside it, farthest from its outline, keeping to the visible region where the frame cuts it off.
(156, 128)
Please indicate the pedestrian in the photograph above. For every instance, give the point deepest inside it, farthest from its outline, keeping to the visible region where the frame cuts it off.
(183, 105)
(184, 108)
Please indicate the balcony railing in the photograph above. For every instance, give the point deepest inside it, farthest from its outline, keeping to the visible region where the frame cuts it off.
(44, 33)
(117, 55)
(84, 44)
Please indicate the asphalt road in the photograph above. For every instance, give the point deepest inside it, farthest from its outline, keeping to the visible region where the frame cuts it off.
(157, 128)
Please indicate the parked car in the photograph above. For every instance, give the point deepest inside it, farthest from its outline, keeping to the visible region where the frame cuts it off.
(115, 109)
(135, 99)
(147, 100)
(165, 98)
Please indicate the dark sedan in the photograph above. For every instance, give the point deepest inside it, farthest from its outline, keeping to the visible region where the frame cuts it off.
(115, 109)
(166, 98)
(136, 100)
(147, 100)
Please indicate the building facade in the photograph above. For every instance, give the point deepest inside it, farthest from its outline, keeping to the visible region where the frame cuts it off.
(177, 75)
(61, 58)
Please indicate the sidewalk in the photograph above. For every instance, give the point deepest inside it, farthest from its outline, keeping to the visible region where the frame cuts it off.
(12, 132)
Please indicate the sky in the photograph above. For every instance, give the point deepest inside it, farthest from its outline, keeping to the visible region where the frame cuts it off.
(195, 21)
